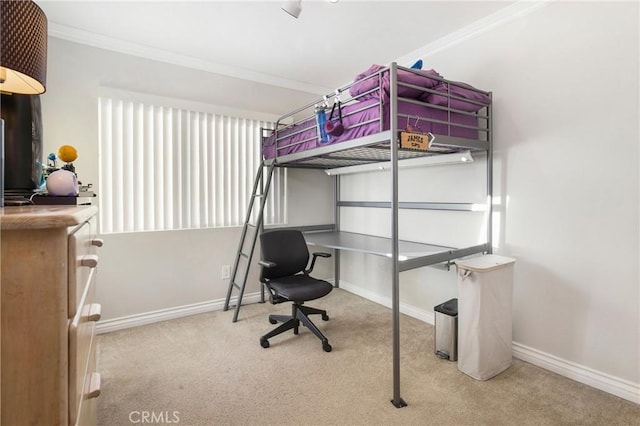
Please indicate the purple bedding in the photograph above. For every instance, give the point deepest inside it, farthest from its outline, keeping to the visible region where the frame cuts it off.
(365, 82)
(361, 118)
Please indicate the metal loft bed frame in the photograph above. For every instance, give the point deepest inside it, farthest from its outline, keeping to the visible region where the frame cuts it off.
(377, 147)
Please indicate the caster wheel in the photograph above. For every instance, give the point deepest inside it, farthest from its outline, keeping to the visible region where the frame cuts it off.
(326, 347)
(272, 321)
(264, 343)
(325, 317)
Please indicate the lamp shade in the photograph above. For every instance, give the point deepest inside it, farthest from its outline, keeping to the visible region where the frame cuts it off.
(23, 47)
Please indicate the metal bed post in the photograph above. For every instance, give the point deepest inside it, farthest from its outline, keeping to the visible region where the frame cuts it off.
(260, 229)
(490, 176)
(395, 291)
(336, 220)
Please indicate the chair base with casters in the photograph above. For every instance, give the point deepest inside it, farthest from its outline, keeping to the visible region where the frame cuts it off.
(284, 275)
(299, 314)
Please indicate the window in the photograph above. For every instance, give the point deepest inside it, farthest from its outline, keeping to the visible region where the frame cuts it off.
(166, 168)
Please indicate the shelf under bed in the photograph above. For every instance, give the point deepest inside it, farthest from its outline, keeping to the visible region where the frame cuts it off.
(411, 254)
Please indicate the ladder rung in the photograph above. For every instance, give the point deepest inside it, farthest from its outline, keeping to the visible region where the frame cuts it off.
(260, 208)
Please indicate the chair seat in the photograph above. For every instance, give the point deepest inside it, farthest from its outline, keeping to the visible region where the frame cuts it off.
(300, 288)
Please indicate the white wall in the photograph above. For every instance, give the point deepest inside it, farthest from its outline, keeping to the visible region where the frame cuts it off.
(151, 271)
(566, 120)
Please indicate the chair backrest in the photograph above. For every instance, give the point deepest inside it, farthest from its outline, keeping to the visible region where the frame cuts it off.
(287, 249)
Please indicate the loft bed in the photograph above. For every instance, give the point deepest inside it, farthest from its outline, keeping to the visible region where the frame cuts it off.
(383, 110)
(380, 102)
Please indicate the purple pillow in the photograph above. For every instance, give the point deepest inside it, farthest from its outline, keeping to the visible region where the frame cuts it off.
(366, 84)
(467, 92)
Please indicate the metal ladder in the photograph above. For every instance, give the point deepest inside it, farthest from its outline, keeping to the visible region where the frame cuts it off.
(245, 254)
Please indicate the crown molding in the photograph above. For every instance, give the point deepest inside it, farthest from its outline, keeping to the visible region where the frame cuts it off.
(516, 10)
(120, 46)
(502, 16)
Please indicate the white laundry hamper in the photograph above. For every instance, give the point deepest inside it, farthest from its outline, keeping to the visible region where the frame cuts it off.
(485, 294)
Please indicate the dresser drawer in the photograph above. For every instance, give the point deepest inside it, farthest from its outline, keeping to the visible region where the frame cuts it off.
(88, 411)
(84, 382)
(82, 259)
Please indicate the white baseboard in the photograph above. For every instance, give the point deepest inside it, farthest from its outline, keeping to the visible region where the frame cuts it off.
(596, 379)
(412, 311)
(115, 324)
(602, 381)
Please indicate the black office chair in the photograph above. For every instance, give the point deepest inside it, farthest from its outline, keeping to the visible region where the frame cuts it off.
(284, 259)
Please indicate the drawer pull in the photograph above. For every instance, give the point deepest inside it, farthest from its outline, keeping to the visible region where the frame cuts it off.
(90, 260)
(94, 386)
(98, 242)
(95, 312)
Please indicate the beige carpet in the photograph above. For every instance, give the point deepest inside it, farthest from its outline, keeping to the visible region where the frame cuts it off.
(206, 370)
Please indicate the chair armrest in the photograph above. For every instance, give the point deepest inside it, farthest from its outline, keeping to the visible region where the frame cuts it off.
(266, 264)
(313, 260)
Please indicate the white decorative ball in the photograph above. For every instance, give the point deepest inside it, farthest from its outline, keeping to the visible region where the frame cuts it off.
(62, 183)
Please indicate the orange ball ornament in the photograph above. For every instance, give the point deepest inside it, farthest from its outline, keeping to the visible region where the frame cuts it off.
(67, 153)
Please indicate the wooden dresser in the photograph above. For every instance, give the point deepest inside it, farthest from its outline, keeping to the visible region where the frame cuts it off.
(48, 278)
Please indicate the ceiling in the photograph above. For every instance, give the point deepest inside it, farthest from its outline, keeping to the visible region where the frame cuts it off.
(326, 47)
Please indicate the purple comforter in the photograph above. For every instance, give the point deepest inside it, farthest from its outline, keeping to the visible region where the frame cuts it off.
(362, 119)
(369, 113)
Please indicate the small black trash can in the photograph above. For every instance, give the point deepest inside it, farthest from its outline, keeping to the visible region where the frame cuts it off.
(445, 341)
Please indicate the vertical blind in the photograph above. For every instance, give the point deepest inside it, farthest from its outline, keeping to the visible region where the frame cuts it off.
(164, 168)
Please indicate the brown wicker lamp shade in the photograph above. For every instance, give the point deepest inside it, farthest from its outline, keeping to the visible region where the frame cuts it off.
(23, 47)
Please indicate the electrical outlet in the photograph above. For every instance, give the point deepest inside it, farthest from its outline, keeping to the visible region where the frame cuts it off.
(226, 272)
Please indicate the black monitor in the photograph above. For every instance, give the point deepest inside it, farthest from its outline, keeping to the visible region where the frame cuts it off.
(22, 116)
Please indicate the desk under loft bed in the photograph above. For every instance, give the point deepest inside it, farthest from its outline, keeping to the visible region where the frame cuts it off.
(390, 114)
